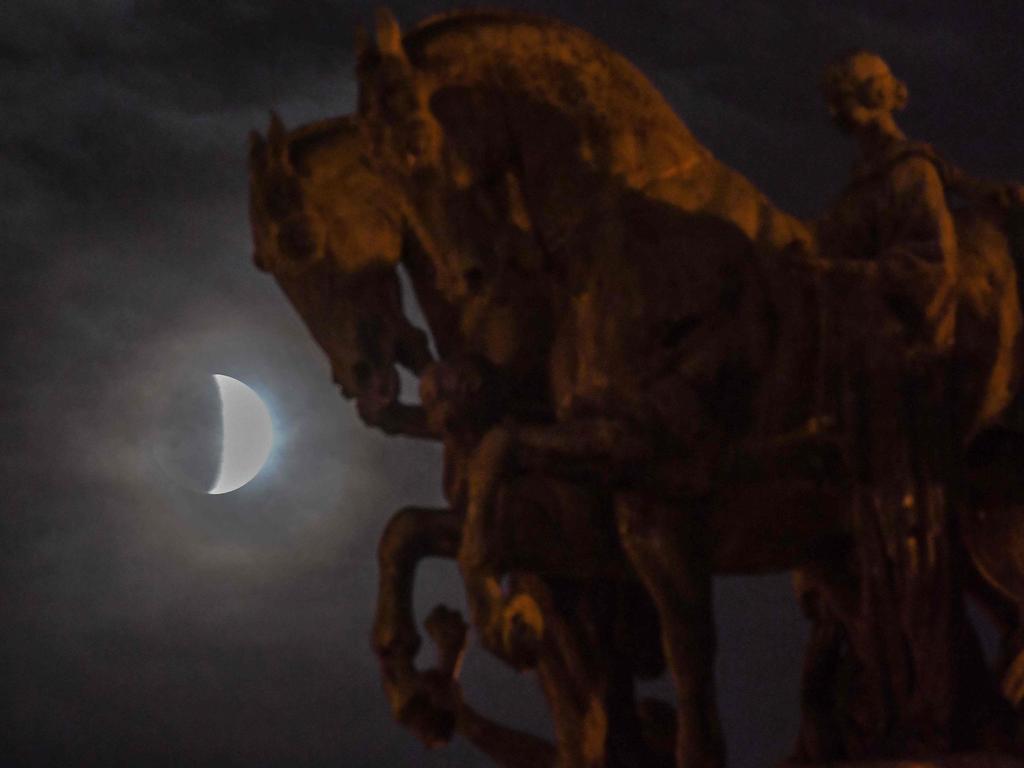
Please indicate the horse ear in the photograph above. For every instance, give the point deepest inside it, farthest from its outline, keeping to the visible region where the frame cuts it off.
(257, 149)
(277, 139)
(389, 35)
(362, 42)
(276, 130)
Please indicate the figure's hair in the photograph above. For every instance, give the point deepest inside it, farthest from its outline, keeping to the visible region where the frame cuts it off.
(879, 89)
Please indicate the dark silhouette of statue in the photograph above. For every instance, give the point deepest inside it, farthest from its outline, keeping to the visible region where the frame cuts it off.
(645, 374)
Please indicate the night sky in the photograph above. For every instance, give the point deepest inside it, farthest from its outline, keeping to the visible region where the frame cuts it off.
(145, 624)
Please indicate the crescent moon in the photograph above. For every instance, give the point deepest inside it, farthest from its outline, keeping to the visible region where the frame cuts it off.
(247, 435)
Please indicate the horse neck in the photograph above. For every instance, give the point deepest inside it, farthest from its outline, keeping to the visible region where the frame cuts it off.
(630, 125)
(574, 125)
(793, 353)
(441, 316)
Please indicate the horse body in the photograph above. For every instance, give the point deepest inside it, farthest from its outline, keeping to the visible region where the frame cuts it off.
(664, 272)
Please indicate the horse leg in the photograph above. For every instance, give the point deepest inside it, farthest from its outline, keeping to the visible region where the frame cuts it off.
(587, 679)
(668, 547)
(481, 555)
(820, 737)
(430, 702)
(549, 447)
(412, 534)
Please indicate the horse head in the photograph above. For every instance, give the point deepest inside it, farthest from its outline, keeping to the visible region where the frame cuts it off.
(326, 226)
(394, 102)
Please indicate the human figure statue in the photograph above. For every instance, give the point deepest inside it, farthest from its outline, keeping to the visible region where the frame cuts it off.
(898, 644)
(892, 219)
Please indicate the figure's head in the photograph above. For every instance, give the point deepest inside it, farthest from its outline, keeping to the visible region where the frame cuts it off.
(329, 230)
(860, 90)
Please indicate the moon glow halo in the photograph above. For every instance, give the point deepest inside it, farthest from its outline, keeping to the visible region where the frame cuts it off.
(247, 435)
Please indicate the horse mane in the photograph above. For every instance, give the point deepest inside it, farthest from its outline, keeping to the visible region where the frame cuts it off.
(556, 64)
(631, 132)
(456, 21)
(306, 139)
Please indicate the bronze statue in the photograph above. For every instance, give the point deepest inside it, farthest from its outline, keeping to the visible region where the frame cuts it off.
(643, 366)
(907, 366)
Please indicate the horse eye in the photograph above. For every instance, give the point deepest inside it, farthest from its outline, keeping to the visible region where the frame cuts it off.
(284, 196)
(474, 278)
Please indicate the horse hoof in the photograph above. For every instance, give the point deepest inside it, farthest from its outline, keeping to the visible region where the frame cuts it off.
(522, 630)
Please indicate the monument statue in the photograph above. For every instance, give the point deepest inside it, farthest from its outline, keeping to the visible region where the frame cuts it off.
(645, 374)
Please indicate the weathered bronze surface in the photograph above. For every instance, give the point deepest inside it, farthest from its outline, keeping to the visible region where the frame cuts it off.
(645, 374)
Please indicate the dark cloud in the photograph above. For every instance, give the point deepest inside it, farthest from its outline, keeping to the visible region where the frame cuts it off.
(147, 625)
(121, 105)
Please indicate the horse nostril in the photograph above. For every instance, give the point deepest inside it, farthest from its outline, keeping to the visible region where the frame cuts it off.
(474, 278)
(361, 373)
(259, 261)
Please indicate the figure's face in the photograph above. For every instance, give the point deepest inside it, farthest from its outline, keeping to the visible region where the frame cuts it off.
(860, 90)
(848, 115)
(321, 227)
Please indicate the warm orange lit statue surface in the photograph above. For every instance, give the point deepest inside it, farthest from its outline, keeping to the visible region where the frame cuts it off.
(646, 373)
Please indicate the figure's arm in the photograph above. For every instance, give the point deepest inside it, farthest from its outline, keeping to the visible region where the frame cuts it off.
(917, 262)
(806, 254)
(915, 266)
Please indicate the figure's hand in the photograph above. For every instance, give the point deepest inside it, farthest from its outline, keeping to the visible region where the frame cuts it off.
(455, 396)
(802, 253)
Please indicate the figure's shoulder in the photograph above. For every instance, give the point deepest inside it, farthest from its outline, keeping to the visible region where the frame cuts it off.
(916, 159)
(915, 168)
(914, 150)
(907, 162)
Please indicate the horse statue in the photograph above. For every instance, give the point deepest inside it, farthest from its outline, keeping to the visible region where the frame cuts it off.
(628, 384)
